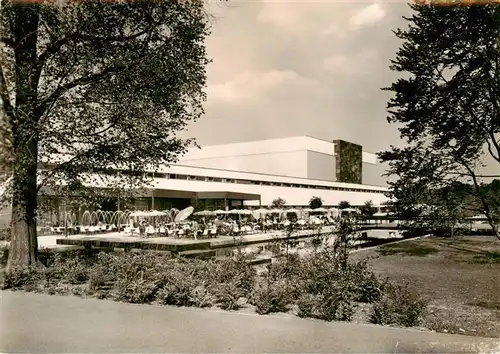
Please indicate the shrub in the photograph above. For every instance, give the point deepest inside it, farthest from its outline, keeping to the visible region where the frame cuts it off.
(308, 305)
(398, 305)
(336, 305)
(368, 288)
(138, 276)
(235, 271)
(98, 277)
(271, 296)
(227, 295)
(24, 277)
(201, 297)
(71, 269)
(177, 286)
(137, 291)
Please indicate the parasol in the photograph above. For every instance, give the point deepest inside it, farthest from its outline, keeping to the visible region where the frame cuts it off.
(220, 211)
(351, 210)
(334, 211)
(259, 212)
(245, 212)
(204, 213)
(320, 210)
(184, 214)
(156, 213)
(139, 213)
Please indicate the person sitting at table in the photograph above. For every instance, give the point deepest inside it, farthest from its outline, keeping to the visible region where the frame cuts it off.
(142, 228)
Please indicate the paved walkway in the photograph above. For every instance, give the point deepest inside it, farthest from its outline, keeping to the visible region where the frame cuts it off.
(41, 323)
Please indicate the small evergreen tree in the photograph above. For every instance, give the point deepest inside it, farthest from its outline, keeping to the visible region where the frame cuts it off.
(315, 202)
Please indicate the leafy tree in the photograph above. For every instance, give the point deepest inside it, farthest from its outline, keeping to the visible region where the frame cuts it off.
(447, 102)
(368, 209)
(278, 203)
(344, 204)
(91, 87)
(315, 202)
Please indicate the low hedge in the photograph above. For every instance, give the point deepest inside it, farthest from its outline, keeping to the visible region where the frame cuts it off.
(319, 285)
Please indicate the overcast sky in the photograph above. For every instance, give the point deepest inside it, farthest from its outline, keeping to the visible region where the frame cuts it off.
(285, 68)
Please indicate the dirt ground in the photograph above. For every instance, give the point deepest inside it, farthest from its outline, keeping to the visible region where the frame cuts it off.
(459, 277)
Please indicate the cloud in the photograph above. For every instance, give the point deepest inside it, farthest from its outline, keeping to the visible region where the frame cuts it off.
(252, 85)
(303, 16)
(368, 15)
(333, 30)
(281, 16)
(353, 65)
(299, 67)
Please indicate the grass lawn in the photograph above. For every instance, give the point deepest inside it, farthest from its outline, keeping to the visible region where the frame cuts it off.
(460, 278)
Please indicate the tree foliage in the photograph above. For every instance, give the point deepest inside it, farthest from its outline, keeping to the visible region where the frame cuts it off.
(278, 203)
(344, 204)
(91, 87)
(447, 103)
(368, 209)
(315, 202)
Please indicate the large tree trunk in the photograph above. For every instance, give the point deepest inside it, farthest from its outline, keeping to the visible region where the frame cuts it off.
(24, 245)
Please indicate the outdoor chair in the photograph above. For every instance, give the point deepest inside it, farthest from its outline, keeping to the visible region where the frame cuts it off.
(180, 232)
(205, 233)
(170, 232)
(213, 232)
(162, 231)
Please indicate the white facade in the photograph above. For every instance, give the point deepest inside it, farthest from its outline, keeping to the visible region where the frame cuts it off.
(302, 156)
(295, 169)
(296, 191)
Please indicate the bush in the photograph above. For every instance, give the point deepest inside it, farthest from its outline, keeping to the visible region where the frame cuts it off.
(27, 278)
(71, 269)
(308, 305)
(201, 297)
(368, 288)
(177, 285)
(227, 295)
(398, 305)
(336, 305)
(271, 296)
(235, 271)
(136, 291)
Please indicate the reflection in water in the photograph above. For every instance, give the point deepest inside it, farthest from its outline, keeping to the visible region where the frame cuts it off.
(275, 248)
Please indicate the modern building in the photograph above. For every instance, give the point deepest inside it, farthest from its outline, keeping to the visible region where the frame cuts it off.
(256, 173)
